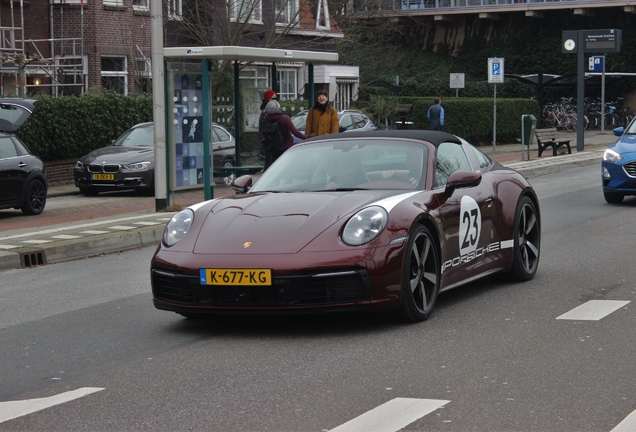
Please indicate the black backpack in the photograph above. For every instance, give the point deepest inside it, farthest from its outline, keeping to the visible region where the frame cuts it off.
(273, 141)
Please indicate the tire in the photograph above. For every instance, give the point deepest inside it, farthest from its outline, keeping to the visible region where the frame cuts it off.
(420, 276)
(613, 197)
(89, 191)
(569, 122)
(527, 241)
(228, 163)
(35, 198)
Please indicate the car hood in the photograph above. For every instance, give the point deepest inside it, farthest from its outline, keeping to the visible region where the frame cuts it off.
(276, 222)
(625, 144)
(119, 155)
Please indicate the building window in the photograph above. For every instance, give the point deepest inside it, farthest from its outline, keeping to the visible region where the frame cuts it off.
(246, 10)
(113, 2)
(115, 74)
(286, 11)
(141, 4)
(257, 77)
(175, 9)
(321, 12)
(288, 84)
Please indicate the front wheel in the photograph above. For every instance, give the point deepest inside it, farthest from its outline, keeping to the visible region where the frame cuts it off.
(613, 197)
(527, 241)
(420, 276)
(228, 163)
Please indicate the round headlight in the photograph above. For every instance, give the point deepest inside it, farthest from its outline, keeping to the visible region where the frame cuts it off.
(612, 156)
(364, 226)
(178, 227)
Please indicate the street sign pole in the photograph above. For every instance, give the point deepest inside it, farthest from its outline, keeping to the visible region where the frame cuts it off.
(580, 93)
(495, 75)
(603, 97)
(494, 121)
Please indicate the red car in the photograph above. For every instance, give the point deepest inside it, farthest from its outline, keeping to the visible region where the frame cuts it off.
(375, 221)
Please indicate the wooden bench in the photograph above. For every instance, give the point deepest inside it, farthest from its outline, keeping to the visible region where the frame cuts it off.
(548, 138)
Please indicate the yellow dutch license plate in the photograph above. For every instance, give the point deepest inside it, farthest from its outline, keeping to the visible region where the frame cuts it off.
(103, 176)
(235, 276)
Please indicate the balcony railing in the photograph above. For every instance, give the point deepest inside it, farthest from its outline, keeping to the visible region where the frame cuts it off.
(463, 5)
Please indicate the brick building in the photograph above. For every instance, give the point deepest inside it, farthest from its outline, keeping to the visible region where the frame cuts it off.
(61, 47)
(68, 46)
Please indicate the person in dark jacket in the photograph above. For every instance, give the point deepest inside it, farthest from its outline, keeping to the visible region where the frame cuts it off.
(267, 96)
(275, 114)
(435, 115)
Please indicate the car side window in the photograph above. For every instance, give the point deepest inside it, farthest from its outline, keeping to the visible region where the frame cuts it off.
(221, 134)
(20, 146)
(7, 148)
(450, 158)
(359, 121)
(479, 159)
(346, 122)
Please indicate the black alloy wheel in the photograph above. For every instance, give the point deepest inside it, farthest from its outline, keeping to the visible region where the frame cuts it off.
(35, 198)
(527, 241)
(420, 276)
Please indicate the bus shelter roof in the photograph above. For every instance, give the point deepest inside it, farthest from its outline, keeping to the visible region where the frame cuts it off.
(250, 54)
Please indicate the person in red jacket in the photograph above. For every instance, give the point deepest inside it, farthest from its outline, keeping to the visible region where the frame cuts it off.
(275, 114)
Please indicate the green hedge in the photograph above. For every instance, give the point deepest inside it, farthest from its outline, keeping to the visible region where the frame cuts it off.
(469, 118)
(69, 126)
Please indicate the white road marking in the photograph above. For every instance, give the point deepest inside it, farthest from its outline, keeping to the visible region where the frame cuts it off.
(147, 223)
(122, 227)
(94, 232)
(6, 247)
(36, 241)
(14, 409)
(80, 226)
(593, 310)
(627, 425)
(392, 415)
(66, 237)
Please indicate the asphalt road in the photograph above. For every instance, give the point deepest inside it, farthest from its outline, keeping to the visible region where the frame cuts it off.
(494, 356)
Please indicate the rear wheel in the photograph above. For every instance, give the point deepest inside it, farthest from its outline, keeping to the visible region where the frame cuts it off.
(527, 241)
(420, 276)
(613, 197)
(35, 198)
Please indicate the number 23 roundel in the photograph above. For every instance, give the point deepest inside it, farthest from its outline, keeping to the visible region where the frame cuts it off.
(469, 225)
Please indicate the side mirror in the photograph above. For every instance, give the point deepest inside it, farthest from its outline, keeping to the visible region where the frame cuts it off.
(461, 179)
(242, 184)
(619, 131)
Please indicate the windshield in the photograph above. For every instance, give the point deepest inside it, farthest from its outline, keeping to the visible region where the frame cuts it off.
(137, 137)
(347, 164)
(631, 129)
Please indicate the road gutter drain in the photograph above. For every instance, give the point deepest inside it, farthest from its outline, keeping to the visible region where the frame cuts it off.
(32, 258)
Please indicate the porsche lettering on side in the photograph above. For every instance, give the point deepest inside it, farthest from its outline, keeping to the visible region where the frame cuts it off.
(372, 221)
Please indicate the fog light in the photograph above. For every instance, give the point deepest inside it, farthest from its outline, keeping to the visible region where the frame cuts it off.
(606, 174)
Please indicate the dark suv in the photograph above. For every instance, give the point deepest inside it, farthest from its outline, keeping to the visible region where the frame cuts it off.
(23, 183)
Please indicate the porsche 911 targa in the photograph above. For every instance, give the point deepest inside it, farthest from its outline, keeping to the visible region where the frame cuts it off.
(373, 221)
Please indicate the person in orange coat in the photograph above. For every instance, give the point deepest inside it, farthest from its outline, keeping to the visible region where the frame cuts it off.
(322, 118)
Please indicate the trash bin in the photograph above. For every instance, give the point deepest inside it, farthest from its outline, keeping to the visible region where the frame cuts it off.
(528, 125)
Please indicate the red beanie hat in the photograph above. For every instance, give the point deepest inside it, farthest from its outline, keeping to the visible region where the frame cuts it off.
(269, 94)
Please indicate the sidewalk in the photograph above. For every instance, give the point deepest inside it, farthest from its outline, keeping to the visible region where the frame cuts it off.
(74, 226)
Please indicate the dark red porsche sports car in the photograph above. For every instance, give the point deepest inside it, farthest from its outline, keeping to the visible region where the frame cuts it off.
(381, 220)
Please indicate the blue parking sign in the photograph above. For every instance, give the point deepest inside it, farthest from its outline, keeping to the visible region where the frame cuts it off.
(595, 63)
(495, 70)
